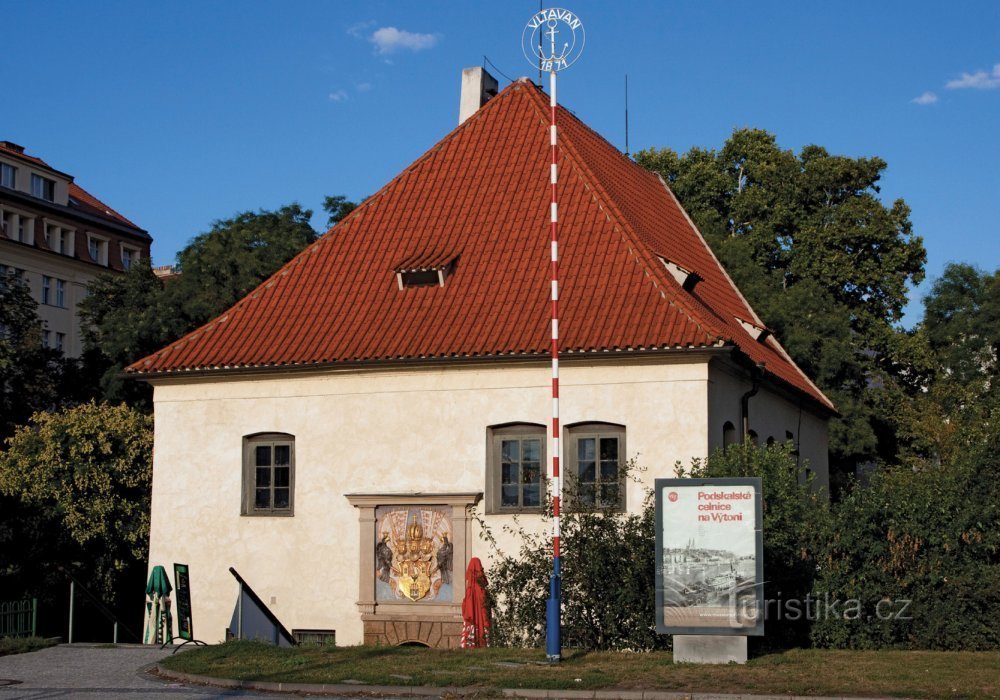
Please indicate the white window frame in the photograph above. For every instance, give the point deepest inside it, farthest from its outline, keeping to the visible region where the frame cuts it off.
(11, 182)
(42, 186)
(46, 291)
(102, 244)
(133, 256)
(60, 293)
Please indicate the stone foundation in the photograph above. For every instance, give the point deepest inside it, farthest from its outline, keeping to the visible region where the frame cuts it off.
(437, 634)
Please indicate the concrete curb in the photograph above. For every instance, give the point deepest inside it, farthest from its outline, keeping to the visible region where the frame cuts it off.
(468, 691)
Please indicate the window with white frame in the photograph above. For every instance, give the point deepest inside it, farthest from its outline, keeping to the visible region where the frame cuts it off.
(595, 464)
(46, 290)
(43, 188)
(129, 256)
(268, 474)
(60, 342)
(8, 175)
(61, 293)
(515, 468)
(98, 249)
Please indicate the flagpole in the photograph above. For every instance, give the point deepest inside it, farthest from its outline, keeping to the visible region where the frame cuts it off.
(550, 23)
(553, 647)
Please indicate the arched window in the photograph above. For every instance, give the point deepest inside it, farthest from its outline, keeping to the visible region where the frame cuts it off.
(268, 474)
(515, 468)
(595, 460)
(728, 434)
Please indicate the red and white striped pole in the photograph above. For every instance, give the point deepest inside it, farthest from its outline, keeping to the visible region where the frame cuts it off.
(553, 647)
(551, 23)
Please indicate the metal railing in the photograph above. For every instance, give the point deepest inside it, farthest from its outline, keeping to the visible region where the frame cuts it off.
(75, 583)
(19, 618)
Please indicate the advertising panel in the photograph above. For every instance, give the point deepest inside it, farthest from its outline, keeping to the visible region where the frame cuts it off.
(182, 581)
(709, 556)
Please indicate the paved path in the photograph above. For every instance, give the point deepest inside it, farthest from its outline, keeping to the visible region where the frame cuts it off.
(84, 672)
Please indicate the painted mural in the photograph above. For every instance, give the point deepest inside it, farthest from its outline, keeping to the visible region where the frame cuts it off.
(413, 554)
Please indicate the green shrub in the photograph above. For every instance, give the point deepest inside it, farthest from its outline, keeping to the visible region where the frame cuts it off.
(795, 516)
(918, 548)
(608, 562)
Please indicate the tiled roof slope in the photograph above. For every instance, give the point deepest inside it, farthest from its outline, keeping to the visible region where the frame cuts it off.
(85, 201)
(481, 197)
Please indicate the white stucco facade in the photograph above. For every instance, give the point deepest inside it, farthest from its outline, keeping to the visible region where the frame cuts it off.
(400, 430)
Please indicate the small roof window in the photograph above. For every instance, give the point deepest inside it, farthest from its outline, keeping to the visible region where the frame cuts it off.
(425, 270)
(685, 278)
(758, 333)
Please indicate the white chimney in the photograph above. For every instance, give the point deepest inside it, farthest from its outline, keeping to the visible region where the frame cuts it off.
(478, 87)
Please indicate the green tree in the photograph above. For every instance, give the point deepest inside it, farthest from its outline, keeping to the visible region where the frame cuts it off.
(823, 261)
(125, 317)
(220, 267)
(128, 316)
(337, 206)
(85, 472)
(30, 376)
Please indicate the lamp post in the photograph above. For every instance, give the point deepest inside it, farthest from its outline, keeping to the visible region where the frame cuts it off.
(540, 41)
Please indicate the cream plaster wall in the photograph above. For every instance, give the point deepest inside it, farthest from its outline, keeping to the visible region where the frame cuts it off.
(772, 414)
(421, 430)
(75, 274)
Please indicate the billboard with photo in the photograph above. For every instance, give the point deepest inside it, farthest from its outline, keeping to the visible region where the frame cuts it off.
(709, 556)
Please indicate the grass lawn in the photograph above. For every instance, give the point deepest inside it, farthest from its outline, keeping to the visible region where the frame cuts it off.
(916, 674)
(20, 645)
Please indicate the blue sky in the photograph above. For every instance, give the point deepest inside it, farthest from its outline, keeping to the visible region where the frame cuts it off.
(181, 113)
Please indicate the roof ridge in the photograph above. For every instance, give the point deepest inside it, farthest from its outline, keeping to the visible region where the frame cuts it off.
(660, 282)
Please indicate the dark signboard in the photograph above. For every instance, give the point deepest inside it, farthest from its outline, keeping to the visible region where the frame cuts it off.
(182, 583)
(709, 556)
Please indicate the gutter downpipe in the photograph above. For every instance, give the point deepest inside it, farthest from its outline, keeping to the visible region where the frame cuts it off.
(755, 375)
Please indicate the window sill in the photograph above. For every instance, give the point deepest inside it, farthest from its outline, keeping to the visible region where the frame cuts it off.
(268, 514)
(515, 511)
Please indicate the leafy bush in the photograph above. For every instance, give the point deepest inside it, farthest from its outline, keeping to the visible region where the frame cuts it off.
(608, 562)
(918, 548)
(794, 516)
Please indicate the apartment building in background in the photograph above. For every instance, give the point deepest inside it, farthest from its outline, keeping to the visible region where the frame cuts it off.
(58, 237)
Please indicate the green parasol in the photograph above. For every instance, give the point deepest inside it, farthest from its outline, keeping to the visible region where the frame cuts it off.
(158, 619)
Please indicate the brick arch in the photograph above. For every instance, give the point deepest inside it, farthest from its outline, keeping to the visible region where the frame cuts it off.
(437, 634)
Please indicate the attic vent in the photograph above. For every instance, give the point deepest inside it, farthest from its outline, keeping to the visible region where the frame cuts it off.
(432, 272)
(684, 277)
(758, 333)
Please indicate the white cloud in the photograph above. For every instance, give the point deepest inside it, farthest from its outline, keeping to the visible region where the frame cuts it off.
(363, 87)
(360, 29)
(928, 98)
(338, 96)
(980, 80)
(389, 40)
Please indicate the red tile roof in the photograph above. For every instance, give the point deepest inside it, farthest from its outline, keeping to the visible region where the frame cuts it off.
(85, 201)
(481, 197)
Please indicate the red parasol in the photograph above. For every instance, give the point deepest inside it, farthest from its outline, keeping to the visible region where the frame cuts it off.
(476, 630)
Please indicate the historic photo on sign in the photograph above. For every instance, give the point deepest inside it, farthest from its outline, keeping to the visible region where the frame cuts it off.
(708, 558)
(413, 554)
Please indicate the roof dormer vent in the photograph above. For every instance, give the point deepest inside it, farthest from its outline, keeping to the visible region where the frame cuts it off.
(758, 333)
(425, 271)
(685, 278)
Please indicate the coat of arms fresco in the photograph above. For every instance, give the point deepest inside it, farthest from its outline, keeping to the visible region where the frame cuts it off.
(413, 554)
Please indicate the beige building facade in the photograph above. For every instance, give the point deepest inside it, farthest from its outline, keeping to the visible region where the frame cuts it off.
(58, 237)
(409, 434)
